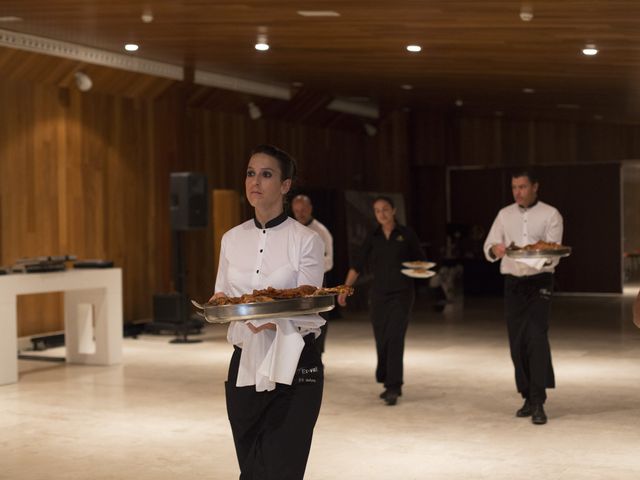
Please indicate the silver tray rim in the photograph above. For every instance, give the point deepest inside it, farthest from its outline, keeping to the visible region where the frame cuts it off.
(263, 310)
(557, 252)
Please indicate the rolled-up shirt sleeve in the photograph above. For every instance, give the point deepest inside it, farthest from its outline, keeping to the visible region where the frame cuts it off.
(495, 236)
(555, 228)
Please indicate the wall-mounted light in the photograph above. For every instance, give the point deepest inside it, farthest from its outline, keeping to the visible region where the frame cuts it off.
(370, 129)
(254, 111)
(131, 47)
(590, 50)
(414, 48)
(83, 81)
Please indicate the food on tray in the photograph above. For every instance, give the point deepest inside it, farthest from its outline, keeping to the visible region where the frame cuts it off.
(421, 270)
(270, 294)
(539, 245)
(417, 264)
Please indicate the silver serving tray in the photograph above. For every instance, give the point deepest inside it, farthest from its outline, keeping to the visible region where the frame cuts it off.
(556, 252)
(262, 310)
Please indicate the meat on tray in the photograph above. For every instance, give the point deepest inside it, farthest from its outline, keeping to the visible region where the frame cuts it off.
(270, 294)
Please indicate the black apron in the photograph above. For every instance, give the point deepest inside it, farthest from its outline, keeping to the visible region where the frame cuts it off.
(272, 431)
(527, 308)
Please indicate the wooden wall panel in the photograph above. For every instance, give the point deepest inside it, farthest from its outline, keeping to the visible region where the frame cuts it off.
(29, 221)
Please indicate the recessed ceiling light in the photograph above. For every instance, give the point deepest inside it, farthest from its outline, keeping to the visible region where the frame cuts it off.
(414, 48)
(262, 44)
(318, 13)
(147, 16)
(131, 47)
(526, 12)
(406, 86)
(459, 102)
(9, 19)
(528, 90)
(590, 50)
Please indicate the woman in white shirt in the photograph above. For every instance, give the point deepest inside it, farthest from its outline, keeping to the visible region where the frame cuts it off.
(275, 381)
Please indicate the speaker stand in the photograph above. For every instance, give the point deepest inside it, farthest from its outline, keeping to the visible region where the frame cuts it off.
(180, 281)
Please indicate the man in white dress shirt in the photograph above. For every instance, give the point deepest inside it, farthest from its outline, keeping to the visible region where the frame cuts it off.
(303, 212)
(528, 287)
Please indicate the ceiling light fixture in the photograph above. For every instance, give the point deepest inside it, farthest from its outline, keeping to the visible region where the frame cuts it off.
(147, 16)
(528, 90)
(318, 13)
(590, 50)
(414, 48)
(459, 102)
(568, 106)
(262, 44)
(131, 47)
(406, 86)
(526, 12)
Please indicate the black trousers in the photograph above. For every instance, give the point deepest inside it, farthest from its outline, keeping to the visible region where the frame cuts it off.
(272, 431)
(390, 314)
(527, 308)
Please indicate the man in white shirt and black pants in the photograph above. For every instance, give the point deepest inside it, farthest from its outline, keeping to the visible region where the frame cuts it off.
(528, 287)
(303, 212)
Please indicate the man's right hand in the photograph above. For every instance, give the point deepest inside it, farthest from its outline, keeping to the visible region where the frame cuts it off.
(342, 299)
(498, 250)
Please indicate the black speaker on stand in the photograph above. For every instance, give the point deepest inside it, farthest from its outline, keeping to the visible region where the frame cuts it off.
(189, 210)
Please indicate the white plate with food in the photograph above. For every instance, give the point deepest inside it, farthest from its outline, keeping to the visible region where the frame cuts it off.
(418, 272)
(419, 264)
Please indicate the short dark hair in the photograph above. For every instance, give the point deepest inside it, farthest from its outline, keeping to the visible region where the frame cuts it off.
(285, 161)
(525, 172)
(384, 198)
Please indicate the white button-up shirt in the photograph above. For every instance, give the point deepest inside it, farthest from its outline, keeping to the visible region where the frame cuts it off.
(327, 239)
(524, 226)
(286, 255)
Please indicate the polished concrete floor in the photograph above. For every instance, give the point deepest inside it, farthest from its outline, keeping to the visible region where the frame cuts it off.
(161, 414)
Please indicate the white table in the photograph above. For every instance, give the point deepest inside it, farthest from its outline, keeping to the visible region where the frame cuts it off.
(92, 315)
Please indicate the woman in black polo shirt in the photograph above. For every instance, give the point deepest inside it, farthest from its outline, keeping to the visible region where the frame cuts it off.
(392, 293)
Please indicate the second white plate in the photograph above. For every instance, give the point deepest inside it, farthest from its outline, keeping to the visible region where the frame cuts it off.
(418, 273)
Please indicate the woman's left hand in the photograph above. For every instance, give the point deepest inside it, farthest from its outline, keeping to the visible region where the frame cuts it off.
(266, 326)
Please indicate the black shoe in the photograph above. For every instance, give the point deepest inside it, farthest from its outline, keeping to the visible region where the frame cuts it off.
(538, 417)
(525, 411)
(391, 398)
(384, 394)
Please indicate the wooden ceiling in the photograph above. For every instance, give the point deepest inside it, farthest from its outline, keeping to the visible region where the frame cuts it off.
(478, 51)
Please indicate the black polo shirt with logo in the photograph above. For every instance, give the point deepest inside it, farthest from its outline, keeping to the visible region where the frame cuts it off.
(384, 258)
